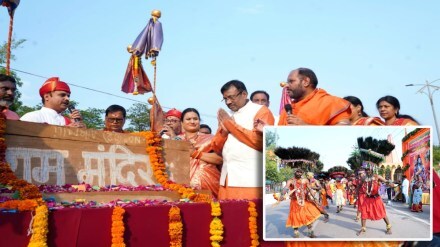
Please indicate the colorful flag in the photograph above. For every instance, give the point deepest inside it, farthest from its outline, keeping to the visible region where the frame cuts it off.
(285, 99)
(149, 41)
(11, 5)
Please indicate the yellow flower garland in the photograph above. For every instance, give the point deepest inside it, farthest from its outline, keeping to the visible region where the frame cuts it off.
(216, 226)
(253, 224)
(154, 150)
(118, 227)
(40, 227)
(175, 227)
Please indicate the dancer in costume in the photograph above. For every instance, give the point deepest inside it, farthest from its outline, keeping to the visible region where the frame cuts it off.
(339, 195)
(351, 192)
(372, 207)
(303, 210)
(323, 192)
(360, 192)
(315, 191)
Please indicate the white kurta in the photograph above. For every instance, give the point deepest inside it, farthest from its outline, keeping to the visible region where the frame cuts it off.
(44, 115)
(241, 163)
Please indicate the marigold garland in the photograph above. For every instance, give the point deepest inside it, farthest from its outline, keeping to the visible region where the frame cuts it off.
(30, 195)
(118, 227)
(216, 226)
(253, 224)
(154, 150)
(20, 205)
(175, 227)
(40, 227)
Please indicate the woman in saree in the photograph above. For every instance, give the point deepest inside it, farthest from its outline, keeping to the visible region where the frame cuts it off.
(204, 164)
(389, 107)
(358, 115)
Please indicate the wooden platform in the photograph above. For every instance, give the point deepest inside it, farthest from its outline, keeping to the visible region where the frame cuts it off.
(47, 154)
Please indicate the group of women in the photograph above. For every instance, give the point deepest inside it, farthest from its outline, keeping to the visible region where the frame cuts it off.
(388, 107)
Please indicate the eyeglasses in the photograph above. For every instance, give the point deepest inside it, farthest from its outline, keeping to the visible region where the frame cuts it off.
(171, 121)
(115, 120)
(232, 97)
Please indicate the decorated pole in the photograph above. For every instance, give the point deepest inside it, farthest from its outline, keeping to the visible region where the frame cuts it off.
(285, 98)
(148, 42)
(11, 5)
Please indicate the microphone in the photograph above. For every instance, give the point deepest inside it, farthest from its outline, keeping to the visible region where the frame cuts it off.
(288, 109)
(162, 132)
(71, 108)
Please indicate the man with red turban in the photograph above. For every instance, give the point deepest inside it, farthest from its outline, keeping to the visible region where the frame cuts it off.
(55, 95)
(173, 125)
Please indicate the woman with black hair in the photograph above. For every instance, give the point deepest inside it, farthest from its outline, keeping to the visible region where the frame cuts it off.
(388, 107)
(358, 115)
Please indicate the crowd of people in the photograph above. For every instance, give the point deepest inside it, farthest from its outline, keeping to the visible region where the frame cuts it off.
(310, 195)
(229, 162)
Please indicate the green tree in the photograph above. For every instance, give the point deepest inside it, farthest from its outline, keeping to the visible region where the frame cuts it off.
(318, 167)
(271, 172)
(355, 160)
(25, 109)
(286, 173)
(388, 172)
(271, 139)
(139, 116)
(93, 118)
(3, 48)
(381, 171)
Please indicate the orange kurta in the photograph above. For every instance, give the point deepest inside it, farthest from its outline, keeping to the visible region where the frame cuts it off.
(251, 138)
(319, 108)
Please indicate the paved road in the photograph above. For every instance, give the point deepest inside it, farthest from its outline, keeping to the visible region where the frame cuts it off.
(406, 225)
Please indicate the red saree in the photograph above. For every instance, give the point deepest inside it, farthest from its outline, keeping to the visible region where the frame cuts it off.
(202, 174)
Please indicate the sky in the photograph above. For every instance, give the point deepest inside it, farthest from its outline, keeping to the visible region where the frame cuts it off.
(335, 144)
(368, 49)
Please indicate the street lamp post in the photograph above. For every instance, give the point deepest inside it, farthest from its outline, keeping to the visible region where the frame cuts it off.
(430, 93)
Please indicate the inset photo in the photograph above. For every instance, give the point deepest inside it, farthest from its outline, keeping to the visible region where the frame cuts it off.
(348, 183)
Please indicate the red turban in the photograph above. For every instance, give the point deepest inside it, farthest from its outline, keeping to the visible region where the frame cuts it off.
(174, 112)
(53, 84)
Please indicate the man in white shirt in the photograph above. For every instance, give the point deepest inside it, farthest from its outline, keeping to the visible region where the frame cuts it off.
(55, 95)
(405, 186)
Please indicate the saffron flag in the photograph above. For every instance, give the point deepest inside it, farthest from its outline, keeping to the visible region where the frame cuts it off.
(285, 99)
